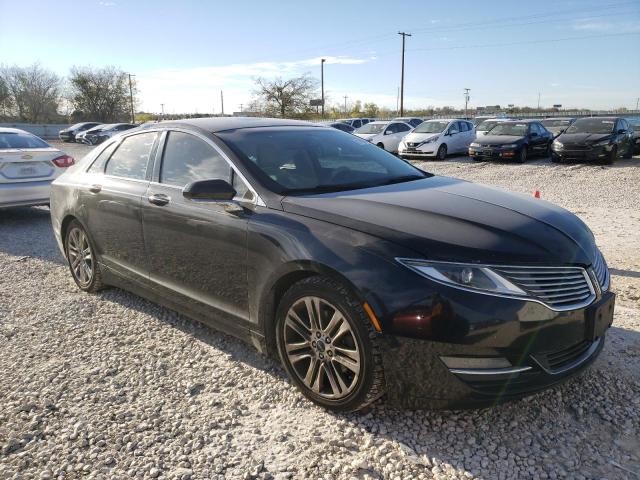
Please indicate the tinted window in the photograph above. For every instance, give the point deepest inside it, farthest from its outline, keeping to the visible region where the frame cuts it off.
(463, 126)
(187, 158)
(373, 128)
(454, 128)
(431, 126)
(591, 125)
(403, 128)
(98, 163)
(623, 125)
(515, 129)
(21, 140)
(415, 122)
(131, 158)
(356, 124)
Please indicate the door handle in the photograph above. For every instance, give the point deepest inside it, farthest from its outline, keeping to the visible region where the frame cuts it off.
(159, 199)
(95, 188)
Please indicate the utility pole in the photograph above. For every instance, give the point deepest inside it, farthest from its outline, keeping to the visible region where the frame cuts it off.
(538, 100)
(241, 108)
(322, 60)
(637, 103)
(345, 104)
(404, 35)
(162, 108)
(222, 102)
(466, 101)
(133, 117)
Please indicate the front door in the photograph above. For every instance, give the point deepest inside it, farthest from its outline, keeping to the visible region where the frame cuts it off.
(197, 249)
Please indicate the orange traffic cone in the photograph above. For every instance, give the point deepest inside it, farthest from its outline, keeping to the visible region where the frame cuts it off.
(536, 194)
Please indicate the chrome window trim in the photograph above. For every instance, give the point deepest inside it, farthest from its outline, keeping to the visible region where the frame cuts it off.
(585, 303)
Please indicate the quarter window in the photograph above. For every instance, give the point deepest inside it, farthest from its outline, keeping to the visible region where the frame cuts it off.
(187, 158)
(131, 158)
(98, 164)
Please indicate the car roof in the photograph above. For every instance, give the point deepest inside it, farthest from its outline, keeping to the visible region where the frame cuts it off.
(600, 118)
(445, 120)
(526, 120)
(13, 130)
(219, 124)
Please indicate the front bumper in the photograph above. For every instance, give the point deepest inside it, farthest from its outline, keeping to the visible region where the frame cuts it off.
(23, 194)
(495, 153)
(581, 154)
(541, 354)
(416, 153)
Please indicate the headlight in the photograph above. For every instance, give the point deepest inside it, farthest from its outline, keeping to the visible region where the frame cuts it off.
(602, 143)
(431, 140)
(474, 144)
(510, 145)
(466, 276)
(557, 144)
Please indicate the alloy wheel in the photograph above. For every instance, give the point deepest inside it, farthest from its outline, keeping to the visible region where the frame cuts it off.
(80, 256)
(321, 347)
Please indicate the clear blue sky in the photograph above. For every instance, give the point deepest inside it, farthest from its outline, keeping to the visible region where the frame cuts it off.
(183, 53)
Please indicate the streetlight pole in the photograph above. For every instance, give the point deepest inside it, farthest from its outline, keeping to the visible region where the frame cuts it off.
(322, 60)
(466, 101)
(222, 102)
(345, 104)
(133, 117)
(404, 35)
(162, 109)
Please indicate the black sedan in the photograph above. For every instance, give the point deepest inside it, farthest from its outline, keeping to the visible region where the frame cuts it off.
(513, 140)
(342, 126)
(598, 139)
(69, 134)
(365, 275)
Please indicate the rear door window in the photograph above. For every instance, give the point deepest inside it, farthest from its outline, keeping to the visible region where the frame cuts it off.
(131, 159)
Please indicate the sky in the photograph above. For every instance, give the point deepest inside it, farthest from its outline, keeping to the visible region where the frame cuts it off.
(578, 53)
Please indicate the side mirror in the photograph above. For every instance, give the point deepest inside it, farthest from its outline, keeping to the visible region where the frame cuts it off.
(209, 190)
(533, 134)
(621, 131)
(388, 132)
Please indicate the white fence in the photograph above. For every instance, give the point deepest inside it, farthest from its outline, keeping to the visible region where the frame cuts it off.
(41, 130)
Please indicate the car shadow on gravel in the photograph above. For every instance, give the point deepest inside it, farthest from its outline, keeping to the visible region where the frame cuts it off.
(27, 232)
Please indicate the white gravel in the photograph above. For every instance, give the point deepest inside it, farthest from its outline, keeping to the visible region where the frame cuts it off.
(113, 386)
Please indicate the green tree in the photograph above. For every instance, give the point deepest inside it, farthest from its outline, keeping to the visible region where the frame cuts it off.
(371, 110)
(101, 94)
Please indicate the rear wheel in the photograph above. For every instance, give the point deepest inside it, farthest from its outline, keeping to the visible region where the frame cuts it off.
(82, 259)
(328, 345)
(442, 152)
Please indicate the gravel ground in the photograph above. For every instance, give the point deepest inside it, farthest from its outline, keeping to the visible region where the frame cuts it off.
(113, 386)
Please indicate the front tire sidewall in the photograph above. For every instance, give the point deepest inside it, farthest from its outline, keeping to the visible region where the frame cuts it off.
(442, 152)
(356, 399)
(96, 280)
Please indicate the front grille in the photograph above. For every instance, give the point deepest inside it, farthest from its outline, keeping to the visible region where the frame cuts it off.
(496, 387)
(561, 288)
(601, 270)
(577, 147)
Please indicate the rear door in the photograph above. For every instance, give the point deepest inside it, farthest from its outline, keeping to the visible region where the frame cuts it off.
(111, 200)
(197, 249)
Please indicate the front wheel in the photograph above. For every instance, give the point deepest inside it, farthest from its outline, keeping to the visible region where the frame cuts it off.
(82, 260)
(442, 152)
(522, 156)
(609, 159)
(328, 346)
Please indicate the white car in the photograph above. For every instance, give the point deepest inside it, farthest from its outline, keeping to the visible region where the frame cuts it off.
(486, 125)
(437, 138)
(28, 165)
(386, 135)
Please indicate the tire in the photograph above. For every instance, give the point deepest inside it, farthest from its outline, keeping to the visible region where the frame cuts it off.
(85, 270)
(556, 158)
(381, 145)
(522, 156)
(547, 152)
(629, 153)
(609, 159)
(314, 361)
(442, 152)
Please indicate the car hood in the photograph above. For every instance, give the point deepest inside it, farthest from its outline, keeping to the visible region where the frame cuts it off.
(443, 218)
(419, 137)
(366, 135)
(585, 138)
(499, 139)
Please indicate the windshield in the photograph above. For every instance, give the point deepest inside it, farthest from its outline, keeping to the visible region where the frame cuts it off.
(591, 125)
(21, 140)
(556, 123)
(487, 125)
(371, 128)
(431, 127)
(299, 160)
(514, 129)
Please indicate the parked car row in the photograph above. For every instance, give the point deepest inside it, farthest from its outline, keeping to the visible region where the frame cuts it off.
(92, 133)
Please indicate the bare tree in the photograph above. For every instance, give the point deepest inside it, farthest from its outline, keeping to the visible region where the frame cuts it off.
(6, 103)
(284, 97)
(33, 92)
(100, 94)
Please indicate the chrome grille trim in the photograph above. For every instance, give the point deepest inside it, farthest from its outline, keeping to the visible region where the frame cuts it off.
(601, 270)
(559, 288)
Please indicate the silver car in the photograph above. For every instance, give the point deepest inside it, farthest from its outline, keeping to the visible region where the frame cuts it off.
(28, 165)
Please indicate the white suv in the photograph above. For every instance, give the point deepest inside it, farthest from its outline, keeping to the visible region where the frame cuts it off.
(437, 138)
(386, 135)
